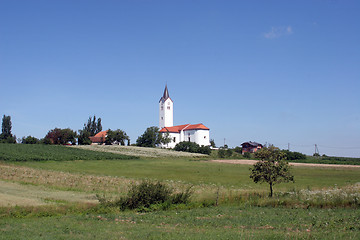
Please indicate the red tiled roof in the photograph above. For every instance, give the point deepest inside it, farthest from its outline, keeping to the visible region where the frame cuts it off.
(99, 137)
(185, 127)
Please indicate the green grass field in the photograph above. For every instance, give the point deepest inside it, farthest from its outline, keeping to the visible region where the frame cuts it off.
(323, 203)
(40, 152)
(201, 172)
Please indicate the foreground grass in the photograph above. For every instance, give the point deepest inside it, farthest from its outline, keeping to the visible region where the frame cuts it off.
(226, 222)
(40, 152)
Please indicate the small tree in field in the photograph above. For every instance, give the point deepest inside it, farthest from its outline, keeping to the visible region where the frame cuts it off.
(272, 168)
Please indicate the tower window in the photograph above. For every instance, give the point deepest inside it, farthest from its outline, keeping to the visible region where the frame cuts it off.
(168, 107)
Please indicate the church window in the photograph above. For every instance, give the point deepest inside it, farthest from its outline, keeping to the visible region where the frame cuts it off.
(168, 107)
(204, 137)
(162, 118)
(162, 108)
(174, 139)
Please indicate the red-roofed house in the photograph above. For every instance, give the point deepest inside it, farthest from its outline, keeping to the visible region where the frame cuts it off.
(99, 138)
(197, 133)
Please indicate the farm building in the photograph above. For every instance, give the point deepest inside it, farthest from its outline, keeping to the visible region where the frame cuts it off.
(99, 138)
(197, 133)
(250, 147)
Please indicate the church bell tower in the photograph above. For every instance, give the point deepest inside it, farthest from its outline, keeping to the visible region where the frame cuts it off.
(166, 111)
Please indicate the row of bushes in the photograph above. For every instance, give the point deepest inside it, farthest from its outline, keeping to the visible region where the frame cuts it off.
(192, 147)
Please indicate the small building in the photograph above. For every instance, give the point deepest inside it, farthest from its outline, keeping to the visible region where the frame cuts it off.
(250, 147)
(99, 138)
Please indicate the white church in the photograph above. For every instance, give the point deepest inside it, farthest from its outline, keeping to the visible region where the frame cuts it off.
(197, 133)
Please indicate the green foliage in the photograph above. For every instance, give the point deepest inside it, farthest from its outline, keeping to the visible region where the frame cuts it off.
(225, 153)
(146, 194)
(116, 137)
(293, 155)
(6, 135)
(247, 155)
(6, 127)
(192, 147)
(91, 128)
(238, 150)
(272, 168)
(40, 152)
(30, 140)
(330, 160)
(152, 137)
(61, 136)
(83, 138)
(212, 143)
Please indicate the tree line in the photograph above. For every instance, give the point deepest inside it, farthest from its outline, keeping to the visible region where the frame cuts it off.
(66, 136)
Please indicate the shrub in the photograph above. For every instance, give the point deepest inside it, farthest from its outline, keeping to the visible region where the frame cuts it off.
(148, 194)
(222, 153)
(247, 155)
(192, 147)
(238, 149)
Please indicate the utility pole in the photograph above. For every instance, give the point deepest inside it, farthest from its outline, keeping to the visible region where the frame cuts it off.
(316, 150)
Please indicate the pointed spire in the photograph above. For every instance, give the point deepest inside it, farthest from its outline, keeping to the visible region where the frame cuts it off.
(165, 95)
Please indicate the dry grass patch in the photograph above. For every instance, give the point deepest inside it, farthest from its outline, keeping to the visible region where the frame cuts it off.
(15, 194)
(140, 151)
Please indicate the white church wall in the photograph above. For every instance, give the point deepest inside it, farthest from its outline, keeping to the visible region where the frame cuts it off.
(202, 137)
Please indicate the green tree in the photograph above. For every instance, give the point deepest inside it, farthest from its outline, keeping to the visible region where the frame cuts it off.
(152, 137)
(6, 135)
(117, 136)
(83, 138)
(212, 143)
(272, 167)
(30, 140)
(91, 128)
(60, 136)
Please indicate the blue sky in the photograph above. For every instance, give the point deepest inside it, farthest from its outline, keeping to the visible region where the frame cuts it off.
(274, 72)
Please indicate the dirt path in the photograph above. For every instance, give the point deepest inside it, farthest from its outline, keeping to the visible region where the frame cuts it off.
(12, 194)
(252, 162)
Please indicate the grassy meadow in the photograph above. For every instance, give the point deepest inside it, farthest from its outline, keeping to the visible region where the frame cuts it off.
(60, 188)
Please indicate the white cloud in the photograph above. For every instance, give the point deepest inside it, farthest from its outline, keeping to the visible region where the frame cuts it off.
(277, 32)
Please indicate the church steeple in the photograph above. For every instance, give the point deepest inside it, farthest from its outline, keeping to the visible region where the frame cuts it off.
(166, 114)
(165, 95)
